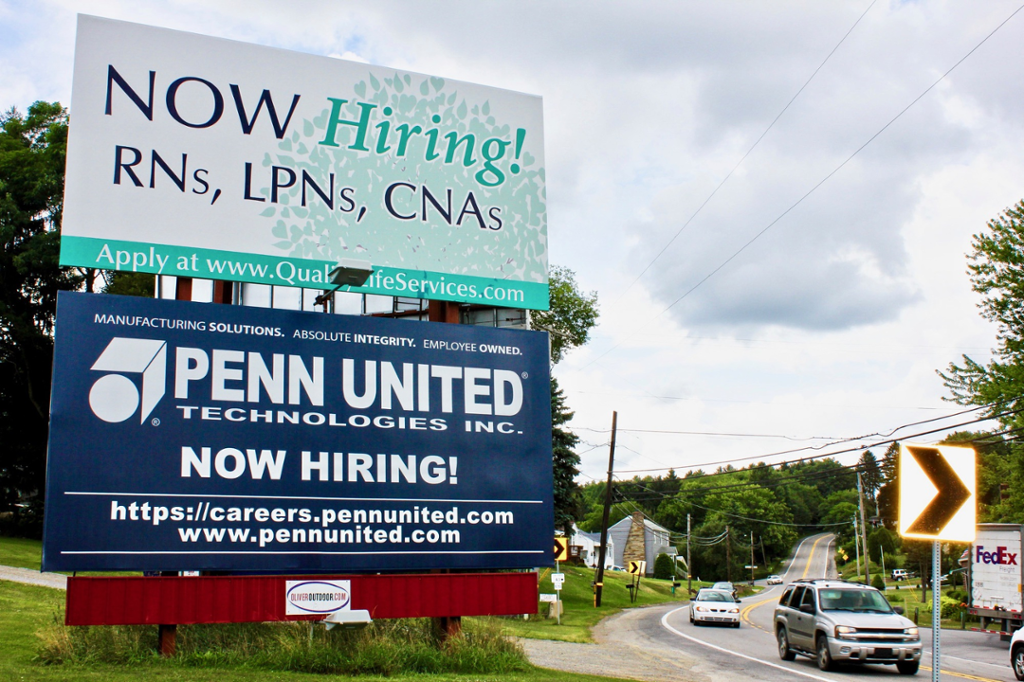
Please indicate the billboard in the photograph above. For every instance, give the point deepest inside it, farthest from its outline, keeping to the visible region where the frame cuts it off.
(188, 436)
(200, 157)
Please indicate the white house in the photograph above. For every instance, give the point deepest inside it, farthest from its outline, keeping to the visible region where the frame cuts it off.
(656, 539)
(590, 546)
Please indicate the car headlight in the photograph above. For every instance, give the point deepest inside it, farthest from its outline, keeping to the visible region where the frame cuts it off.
(701, 609)
(910, 631)
(734, 610)
(845, 630)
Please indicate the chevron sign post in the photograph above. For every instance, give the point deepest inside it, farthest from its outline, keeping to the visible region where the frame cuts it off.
(937, 503)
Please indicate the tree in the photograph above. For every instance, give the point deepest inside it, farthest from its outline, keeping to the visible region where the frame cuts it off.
(32, 151)
(663, 567)
(568, 322)
(870, 474)
(565, 464)
(571, 316)
(996, 269)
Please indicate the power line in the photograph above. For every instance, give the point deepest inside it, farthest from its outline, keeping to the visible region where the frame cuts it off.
(819, 183)
(752, 147)
(821, 446)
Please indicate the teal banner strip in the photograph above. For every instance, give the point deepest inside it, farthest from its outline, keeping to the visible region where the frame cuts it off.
(179, 261)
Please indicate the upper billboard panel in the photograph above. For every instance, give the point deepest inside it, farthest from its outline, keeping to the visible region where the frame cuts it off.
(201, 157)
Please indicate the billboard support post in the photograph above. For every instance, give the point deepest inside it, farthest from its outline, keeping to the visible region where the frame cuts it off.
(168, 640)
(445, 627)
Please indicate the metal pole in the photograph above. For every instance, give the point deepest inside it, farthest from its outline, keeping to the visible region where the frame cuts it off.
(936, 608)
(881, 555)
(751, 557)
(689, 569)
(558, 603)
(856, 542)
(599, 580)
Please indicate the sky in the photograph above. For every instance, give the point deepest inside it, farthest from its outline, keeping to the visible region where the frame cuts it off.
(759, 291)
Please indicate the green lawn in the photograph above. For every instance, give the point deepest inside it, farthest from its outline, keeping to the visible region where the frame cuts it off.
(21, 553)
(26, 610)
(579, 614)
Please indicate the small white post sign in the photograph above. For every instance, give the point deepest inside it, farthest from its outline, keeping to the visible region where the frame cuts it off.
(557, 579)
(317, 597)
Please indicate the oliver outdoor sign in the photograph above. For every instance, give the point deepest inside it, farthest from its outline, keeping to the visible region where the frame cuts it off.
(190, 436)
(201, 157)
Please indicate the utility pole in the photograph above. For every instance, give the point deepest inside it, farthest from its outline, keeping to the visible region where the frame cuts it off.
(728, 555)
(599, 579)
(689, 569)
(856, 542)
(864, 532)
(751, 557)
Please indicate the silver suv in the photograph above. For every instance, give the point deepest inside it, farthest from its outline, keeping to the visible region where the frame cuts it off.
(835, 621)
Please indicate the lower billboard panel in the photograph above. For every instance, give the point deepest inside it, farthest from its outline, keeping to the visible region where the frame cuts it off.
(191, 436)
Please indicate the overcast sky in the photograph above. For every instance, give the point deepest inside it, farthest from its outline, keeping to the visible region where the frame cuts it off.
(832, 323)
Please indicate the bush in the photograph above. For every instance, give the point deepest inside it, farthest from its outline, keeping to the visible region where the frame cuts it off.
(663, 567)
(23, 522)
(949, 608)
(387, 647)
(877, 582)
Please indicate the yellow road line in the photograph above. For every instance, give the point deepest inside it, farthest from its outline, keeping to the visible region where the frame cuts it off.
(963, 675)
(745, 614)
(810, 556)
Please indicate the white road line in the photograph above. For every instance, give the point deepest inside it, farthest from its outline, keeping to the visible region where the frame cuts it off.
(971, 660)
(664, 623)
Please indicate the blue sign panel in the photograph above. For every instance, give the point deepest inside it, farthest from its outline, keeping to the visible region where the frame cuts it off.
(189, 436)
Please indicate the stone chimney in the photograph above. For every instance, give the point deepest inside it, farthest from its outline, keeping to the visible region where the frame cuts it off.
(636, 541)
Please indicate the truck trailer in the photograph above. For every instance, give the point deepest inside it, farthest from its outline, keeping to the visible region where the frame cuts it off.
(996, 577)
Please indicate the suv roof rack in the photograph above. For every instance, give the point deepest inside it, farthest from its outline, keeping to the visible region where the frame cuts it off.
(811, 581)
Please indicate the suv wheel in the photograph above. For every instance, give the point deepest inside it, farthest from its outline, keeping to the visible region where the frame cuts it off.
(910, 668)
(785, 653)
(1018, 662)
(824, 656)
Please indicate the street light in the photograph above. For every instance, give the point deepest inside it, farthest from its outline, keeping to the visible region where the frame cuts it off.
(348, 620)
(348, 272)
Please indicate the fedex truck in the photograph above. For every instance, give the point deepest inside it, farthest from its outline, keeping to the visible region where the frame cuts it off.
(996, 576)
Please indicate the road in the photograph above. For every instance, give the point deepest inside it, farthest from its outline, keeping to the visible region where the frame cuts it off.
(965, 655)
(659, 643)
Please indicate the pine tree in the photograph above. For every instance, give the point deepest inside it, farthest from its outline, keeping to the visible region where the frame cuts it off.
(565, 463)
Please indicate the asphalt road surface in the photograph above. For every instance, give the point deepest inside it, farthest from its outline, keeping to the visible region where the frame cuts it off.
(659, 643)
(964, 654)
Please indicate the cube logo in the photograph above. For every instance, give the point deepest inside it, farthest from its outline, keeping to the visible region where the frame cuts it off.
(114, 397)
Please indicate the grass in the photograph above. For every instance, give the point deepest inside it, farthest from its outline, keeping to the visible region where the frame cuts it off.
(579, 614)
(21, 553)
(29, 622)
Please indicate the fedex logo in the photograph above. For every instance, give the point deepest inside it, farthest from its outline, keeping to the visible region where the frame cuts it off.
(1000, 556)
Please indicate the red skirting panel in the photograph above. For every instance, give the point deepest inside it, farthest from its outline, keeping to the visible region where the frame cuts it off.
(240, 599)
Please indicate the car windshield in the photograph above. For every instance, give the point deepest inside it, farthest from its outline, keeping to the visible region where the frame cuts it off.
(722, 586)
(712, 595)
(835, 599)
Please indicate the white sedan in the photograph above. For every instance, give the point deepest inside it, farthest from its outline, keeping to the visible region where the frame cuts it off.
(774, 580)
(715, 606)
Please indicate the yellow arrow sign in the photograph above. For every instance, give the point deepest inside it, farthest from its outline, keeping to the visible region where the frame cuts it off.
(637, 567)
(561, 549)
